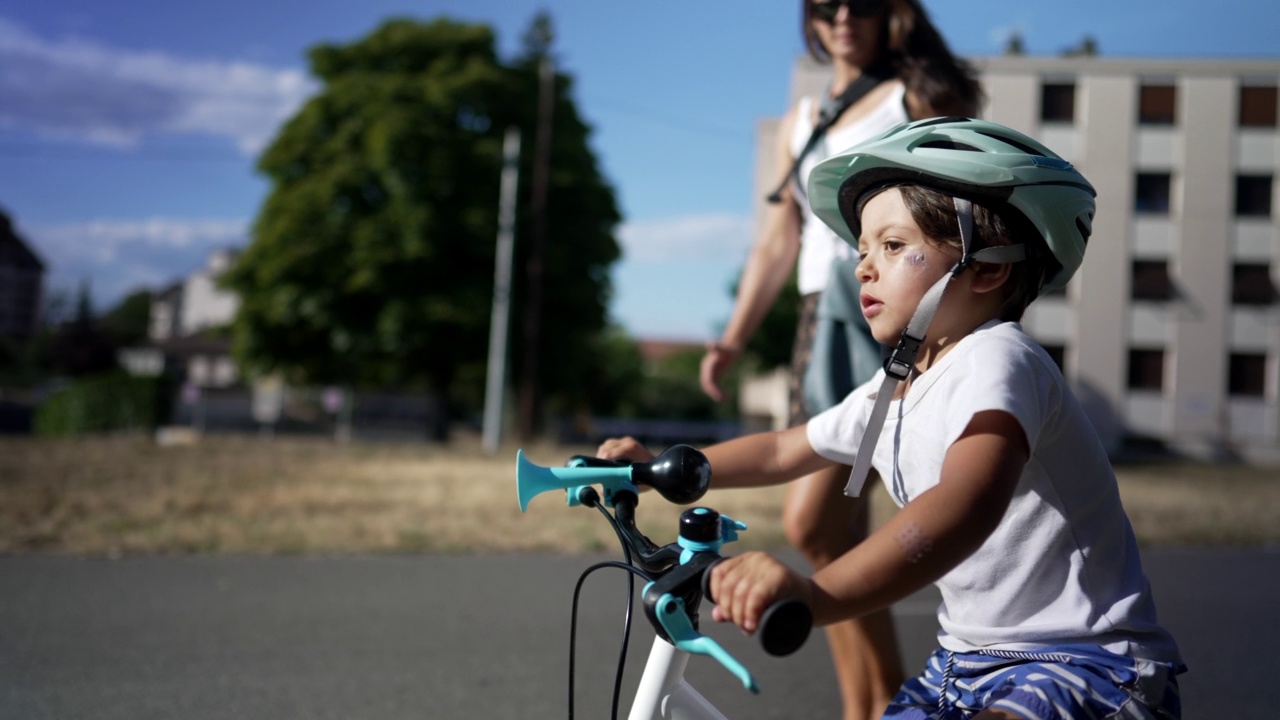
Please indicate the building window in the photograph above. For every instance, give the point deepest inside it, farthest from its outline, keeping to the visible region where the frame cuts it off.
(1151, 280)
(1253, 196)
(1258, 106)
(1151, 193)
(1247, 375)
(1156, 104)
(1146, 369)
(1251, 284)
(1058, 103)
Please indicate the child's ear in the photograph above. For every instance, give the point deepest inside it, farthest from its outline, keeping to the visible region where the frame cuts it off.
(990, 276)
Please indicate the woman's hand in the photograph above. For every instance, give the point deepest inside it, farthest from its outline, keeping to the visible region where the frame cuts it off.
(744, 586)
(627, 448)
(715, 363)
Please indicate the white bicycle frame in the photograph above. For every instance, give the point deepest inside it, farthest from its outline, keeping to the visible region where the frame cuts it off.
(664, 694)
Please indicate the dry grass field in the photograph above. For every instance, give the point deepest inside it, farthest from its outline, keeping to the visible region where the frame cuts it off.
(126, 495)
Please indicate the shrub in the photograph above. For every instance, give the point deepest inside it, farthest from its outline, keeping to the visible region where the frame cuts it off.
(104, 403)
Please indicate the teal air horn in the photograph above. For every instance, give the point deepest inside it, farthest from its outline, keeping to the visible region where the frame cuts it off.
(680, 474)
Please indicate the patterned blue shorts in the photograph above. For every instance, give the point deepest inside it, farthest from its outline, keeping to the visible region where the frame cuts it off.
(1067, 682)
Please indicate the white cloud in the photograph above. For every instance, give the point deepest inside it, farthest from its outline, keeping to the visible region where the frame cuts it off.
(674, 278)
(718, 237)
(122, 255)
(104, 95)
(105, 239)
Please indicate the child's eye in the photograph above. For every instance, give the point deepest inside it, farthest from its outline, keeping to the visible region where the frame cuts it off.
(893, 245)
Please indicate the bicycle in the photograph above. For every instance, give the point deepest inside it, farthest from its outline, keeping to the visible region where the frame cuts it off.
(677, 574)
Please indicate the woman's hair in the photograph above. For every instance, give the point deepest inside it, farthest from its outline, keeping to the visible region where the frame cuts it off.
(917, 53)
(935, 213)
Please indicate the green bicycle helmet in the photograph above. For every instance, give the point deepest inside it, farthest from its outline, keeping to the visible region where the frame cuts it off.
(978, 160)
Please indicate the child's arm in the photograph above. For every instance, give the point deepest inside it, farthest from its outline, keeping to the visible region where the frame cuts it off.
(768, 458)
(921, 543)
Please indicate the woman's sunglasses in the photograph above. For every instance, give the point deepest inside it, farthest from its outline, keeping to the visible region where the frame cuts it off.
(826, 11)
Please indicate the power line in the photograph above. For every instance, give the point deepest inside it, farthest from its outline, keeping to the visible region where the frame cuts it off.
(672, 122)
(46, 151)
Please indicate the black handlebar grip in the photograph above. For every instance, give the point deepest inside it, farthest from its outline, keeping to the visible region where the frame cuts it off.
(706, 578)
(784, 625)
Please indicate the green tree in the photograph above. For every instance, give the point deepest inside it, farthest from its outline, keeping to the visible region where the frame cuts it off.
(372, 258)
(770, 345)
(671, 390)
(128, 322)
(26, 363)
(1014, 45)
(618, 375)
(78, 346)
(1087, 47)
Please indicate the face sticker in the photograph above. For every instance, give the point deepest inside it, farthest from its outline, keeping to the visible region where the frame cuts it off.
(913, 542)
(918, 261)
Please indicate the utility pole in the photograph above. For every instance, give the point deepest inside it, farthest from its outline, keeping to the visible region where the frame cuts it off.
(538, 208)
(495, 381)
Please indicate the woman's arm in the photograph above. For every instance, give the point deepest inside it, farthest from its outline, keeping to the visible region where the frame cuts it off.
(771, 262)
(926, 539)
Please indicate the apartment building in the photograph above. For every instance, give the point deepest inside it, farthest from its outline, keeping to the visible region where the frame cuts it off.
(21, 284)
(1171, 329)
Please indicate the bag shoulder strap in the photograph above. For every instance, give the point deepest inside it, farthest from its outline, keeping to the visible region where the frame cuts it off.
(830, 111)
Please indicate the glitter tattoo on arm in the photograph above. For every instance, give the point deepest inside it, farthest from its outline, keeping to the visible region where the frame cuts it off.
(913, 542)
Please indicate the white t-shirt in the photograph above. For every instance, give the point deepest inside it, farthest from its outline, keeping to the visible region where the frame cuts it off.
(1062, 567)
(818, 244)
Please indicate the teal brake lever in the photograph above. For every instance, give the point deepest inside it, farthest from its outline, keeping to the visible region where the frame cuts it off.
(675, 620)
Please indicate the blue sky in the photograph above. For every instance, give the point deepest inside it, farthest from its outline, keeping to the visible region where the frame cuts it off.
(128, 129)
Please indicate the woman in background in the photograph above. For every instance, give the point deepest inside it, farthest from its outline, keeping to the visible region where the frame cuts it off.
(893, 41)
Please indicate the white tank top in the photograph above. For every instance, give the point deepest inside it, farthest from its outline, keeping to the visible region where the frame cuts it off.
(818, 244)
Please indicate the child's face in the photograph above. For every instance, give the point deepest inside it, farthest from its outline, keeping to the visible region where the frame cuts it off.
(898, 265)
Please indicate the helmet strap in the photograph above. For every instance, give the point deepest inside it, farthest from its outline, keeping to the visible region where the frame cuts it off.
(897, 367)
(899, 364)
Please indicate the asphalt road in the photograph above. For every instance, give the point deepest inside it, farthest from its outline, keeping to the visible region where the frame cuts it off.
(481, 637)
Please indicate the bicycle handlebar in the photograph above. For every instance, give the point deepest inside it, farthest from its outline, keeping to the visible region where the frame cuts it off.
(680, 474)
(680, 570)
(784, 625)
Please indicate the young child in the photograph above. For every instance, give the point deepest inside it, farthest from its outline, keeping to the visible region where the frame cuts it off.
(1008, 501)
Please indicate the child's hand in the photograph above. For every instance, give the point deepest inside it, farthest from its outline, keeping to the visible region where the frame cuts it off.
(744, 586)
(626, 447)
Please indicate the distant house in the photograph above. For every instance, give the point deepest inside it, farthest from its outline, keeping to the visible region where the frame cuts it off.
(187, 319)
(21, 284)
(195, 303)
(653, 352)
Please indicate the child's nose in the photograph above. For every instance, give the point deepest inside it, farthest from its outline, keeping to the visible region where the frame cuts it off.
(865, 269)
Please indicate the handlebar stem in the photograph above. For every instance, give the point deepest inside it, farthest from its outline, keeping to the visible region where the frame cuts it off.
(684, 582)
(652, 558)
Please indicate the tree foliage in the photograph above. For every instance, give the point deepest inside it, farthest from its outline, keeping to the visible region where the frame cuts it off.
(770, 345)
(129, 321)
(372, 258)
(78, 346)
(618, 375)
(671, 389)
